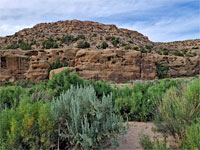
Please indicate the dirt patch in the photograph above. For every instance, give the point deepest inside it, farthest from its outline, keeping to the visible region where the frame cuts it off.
(131, 140)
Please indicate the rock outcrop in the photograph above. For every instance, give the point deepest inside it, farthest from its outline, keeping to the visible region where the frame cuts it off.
(107, 65)
(93, 32)
(115, 54)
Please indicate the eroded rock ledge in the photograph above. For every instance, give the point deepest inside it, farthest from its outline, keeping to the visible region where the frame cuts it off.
(108, 65)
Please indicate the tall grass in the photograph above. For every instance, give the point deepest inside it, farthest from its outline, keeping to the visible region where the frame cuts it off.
(179, 108)
(179, 114)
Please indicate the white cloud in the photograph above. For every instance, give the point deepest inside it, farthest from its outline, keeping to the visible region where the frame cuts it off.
(169, 29)
(11, 29)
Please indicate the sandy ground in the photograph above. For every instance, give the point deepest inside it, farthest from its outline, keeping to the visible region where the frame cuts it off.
(131, 140)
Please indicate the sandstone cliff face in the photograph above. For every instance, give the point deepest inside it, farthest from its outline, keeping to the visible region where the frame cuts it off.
(13, 65)
(108, 65)
(115, 65)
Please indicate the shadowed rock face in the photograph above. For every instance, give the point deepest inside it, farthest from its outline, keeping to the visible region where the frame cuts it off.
(128, 56)
(107, 65)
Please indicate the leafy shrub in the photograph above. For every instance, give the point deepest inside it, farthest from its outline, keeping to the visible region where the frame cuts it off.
(130, 41)
(68, 39)
(165, 52)
(40, 92)
(56, 65)
(147, 144)
(81, 36)
(25, 84)
(27, 127)
(179, 108)
(10, 96)
(149, 47)
(192, 139)
(141, 102)
(136, 48)
(94, 35)
(101, 88)
(142, 50)
(159, 52)
(127, 47)
(104, 45)
(85, 121)
(185, 50)
(115, 41)
(25, 46)
(14, 45)
(50, 43)
(177, 53)
(20, 44)
(82, 44)
(162, 70)
(62, 81)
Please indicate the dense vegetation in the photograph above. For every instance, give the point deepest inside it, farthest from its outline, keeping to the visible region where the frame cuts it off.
(50, 43)
(83, 44)
(19, 44)
(179, 115)
(69, 112)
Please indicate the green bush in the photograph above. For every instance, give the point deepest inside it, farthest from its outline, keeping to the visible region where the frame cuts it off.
(165, 52)
(177, 53)
(20, 44)
(62, 81)
(184, 50)
(192, 139)
(159, 52)
(141, 102)
(136, 48)
(115, 41)
(23, 84)
(189, 55)
(68, 39)
(82, 44)
(85, 121)
(101, 88)
(50, 43)
(40, 92)
(94, 35)
(56, 65)
(10, 97)
(162, 70)
(28, 127)
(81, 36)
(149, 47)
(25, 46)
(104, 45)
(147, 144)
(179, 108)
(127, 47)
(14, 45)
(142, 50)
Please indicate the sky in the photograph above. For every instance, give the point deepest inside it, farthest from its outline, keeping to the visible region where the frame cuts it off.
(160, 20)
